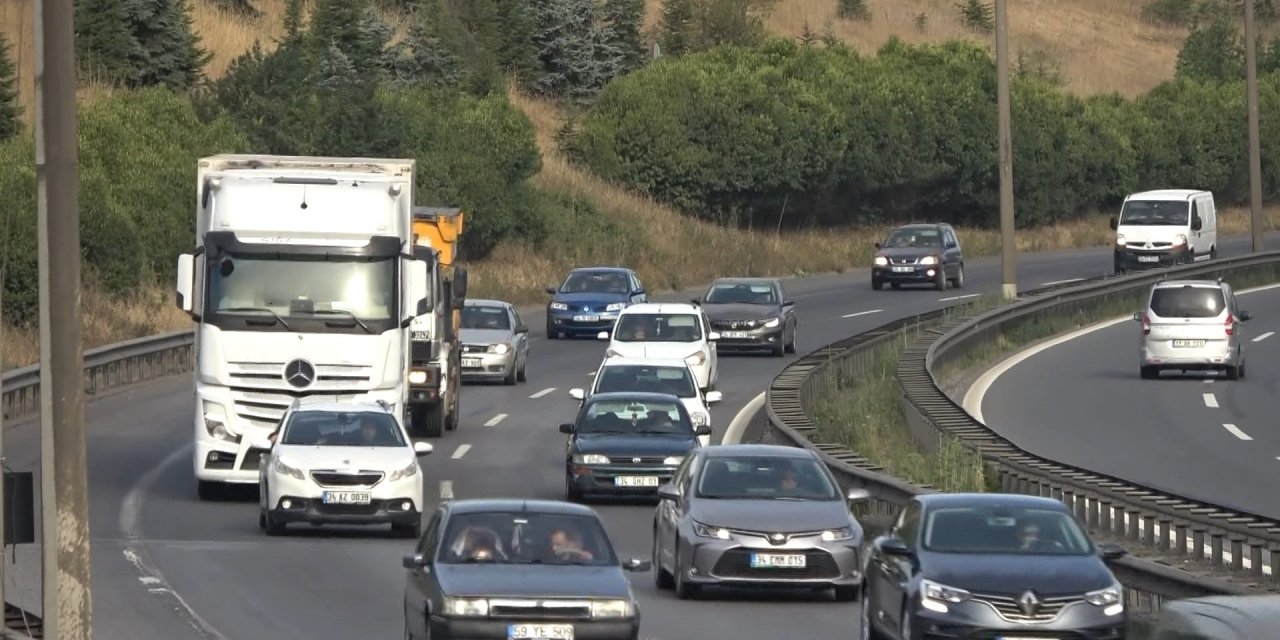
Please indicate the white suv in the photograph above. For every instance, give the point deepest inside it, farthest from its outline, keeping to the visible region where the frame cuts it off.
(655, 375)
(1192, 325)
(666, 330)
(340, 463)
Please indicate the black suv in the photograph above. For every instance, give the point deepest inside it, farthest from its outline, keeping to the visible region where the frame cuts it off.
(919, 254)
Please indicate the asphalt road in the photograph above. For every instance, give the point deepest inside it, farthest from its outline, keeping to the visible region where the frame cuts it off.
(166, 565)
(1201, 436)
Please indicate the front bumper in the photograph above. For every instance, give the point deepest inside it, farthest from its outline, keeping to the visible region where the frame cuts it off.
(314, 511)
(728, 562)
(602, 479)
(1128, 259)
(906, 273)
(746, 339)
(578, 321)
(447, 628)
(1214, 354)
(487, 365)
(972, 619)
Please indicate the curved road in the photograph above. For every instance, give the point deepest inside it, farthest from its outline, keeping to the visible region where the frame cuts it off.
(166, 565)
(1082, 402)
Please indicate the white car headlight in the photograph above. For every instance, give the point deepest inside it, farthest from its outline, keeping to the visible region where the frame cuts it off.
(1179, 240)
(672, 461)
(406, 472)
(590, 458)
(283, 468)
(929, 260)
(1113, 594)
(930, 590)
(700, 418)
(881, 261)
(833, 535)
(500, 348)
(559, 306)
(616, 306)
(610, 608)
(1119, 238)
(772, 323)
(697, 359)
(215, 422)
(466, 607)
(710, 532)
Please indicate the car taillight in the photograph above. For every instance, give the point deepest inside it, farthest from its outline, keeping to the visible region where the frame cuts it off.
(1231, 324)
(1146, 324)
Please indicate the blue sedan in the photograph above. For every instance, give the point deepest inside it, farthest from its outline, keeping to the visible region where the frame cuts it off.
(589, 299)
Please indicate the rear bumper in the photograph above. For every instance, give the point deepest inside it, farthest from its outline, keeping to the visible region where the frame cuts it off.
(489, 629)
(1213, 355)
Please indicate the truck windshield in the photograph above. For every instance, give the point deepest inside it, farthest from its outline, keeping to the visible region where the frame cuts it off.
(1155, 212)
(304, 287)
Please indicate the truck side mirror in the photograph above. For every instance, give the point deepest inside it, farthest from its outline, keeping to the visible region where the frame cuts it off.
(418, 273)
(186, 283)
(459, 286)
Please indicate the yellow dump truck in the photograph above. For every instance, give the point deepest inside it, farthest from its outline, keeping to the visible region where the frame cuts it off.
(435, 380)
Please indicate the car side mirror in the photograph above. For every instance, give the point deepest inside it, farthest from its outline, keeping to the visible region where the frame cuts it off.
(894, 547)
(713, 336)
(423, 448)
(857, 496)
(603, 335)
(186, 283)
(521, 330)
(1197, 224)
(789, 303)
(414, 561)
(714, 397)
(551, 290)
(1245, 316)
(1137, 316)
(577, 394)
(1111, 551)
(261, 442)
(1115, 223)
(703, 430)
(695, 301)
(566, 428)
(637, 565)
(878, 246)
(668, 492)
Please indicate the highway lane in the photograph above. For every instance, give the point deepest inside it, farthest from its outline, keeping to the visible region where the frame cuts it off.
(1202, 436)
(337, 584)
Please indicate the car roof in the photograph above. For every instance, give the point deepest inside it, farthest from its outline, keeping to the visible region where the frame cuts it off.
(1166, 284)
(481, 505)
(660, 307)
(1165, 194)
(745, 280)
(990, 500)
(768, 450)
(486, 302)
(922, 225)
(325, 404)
(600, 270)
(633, 395)
(619, 361)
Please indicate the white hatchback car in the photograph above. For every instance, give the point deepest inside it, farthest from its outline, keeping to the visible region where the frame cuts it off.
(666, 330)
(340, 463)
(655, 375)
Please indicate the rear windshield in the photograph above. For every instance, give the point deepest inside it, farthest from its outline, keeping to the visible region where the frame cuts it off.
(1188, 302)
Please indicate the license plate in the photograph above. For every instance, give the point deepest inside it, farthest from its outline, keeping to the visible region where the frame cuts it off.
(903, 269)
(471, 362)
(421, 336)
(635, 481)
(1148, 258)
(539, 632)
(777, 561)
(586, 318)
(1188, 343)
(734, 334)
(346, 497)
(1023, 638)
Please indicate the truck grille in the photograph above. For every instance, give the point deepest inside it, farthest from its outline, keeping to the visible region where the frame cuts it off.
(260, 395)
(1007, 607)
(335, 479)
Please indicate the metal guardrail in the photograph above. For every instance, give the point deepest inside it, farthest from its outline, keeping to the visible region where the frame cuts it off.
(1110, 507)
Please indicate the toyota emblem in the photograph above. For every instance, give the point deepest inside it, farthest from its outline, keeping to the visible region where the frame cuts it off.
(299, 373)
(778, 537)
(636, 460)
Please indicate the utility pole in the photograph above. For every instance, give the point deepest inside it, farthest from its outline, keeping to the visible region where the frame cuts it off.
(1255, 151)
(1008, 246)
(67, 607)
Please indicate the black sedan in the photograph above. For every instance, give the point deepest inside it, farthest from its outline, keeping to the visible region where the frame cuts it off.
(919, 254)
(627, 443)
(750, 314)
(990, 565)
(513, 569)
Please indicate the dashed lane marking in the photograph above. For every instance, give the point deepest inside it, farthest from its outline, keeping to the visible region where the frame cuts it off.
(1210, 401)
(1050, 284)
(461, 451)
(1264, 336)
(542, 393)
(1235, 431)
(862, 313)
(446, 489)
(493, 422)
(971, 295)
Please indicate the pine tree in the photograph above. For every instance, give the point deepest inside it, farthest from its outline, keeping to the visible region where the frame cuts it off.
(293, 19)
(678, 29)
(425, 57)
(517, 53)
(355, 28)
(569, 48)
(808, 37)
(171, 50)
(105, 46)
(9, 110)
(624, 19)
(977, 15)
(336, 69)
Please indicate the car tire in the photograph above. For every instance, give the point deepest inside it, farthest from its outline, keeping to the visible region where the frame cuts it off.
(896, 285)
(523, 376)
(877, 284)
(848, 594)
(206, 490)
(552, 334)
(1232, 373)
(779, 349)
(571, 493)
(272, 527)
(413, 531)
(510, 379)
(684, 590)
(958, 281)
(941, 281)
(868, 632)
(426, 422)
(791, 345)
(662, 579)
(1150, 373)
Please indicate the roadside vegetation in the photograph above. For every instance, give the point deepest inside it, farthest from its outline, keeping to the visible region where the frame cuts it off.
(737, 152)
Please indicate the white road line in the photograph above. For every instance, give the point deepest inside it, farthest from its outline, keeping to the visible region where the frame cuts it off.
(1050, 284)
(862, 313)
(1235, 431)
(446, 489)
(971, 295)
(1264, 336)
(493, 422)
(1210, 401)
(461, 451)
(1208, 380)
(591, 374)
(733, 435)
(543, 392)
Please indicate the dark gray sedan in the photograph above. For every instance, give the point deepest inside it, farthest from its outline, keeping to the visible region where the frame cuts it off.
(751, 313)
(756, 515)
(518, 570)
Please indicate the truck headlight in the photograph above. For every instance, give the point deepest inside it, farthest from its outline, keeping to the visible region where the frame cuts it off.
(280, 467)
(559, 306)
(215, 422)
(610, 608)
(500, 348)
(590, 458)
(418, 376)
(407, 472)
(466, 607)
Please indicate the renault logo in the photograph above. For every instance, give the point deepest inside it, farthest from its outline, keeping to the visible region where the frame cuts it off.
(299, 373)
(1028, 602)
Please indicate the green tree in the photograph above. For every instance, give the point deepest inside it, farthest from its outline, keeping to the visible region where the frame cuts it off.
(425, 58)
(1212, 51)
(624, 19)
(105, 46)
(735, 22)
(678, 27)
(977, 15)
(517, 52)
(356, 29)
(576, 56)
(293, 19)
(172, 55)
(241, 8)
(9, 110)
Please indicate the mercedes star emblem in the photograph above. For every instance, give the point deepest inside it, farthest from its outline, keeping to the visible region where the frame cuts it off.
(299, 373)
(1028, 602)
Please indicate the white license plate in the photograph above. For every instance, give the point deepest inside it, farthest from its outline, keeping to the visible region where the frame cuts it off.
(346, 497)
(421, 336)
(1023, 638)
(539, 632)
(734, 334)
(1188, 343)
(586, 318)
(471, 363)
(903, 269)
(1148, 258)
(777, 561)
(635, 481)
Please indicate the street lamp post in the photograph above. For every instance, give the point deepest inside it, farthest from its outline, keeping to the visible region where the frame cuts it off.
(1255, 151)
(1008, 247)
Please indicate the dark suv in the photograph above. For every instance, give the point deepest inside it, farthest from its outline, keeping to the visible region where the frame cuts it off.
(919, 254)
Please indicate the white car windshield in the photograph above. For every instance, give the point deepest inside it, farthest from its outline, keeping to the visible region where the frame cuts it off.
(648, 379)
(765, 478)
(1155, 212)
(343, 429)
(634, 416)
(742, 294)
(658, 327)
(1003, 530)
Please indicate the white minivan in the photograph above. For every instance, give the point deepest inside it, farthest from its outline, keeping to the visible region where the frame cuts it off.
(1164, 228)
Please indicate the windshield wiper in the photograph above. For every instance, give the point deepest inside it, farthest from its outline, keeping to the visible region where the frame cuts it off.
(345, 313)
(661, 431)
(258, 310)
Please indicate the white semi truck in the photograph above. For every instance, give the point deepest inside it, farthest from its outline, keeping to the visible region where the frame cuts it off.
(306, 279)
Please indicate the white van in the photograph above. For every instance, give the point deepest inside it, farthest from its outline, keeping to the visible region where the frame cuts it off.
(1166, 227)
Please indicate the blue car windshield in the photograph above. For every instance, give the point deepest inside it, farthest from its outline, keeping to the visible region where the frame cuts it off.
(525, 537)
(595, 282)
(1004, 530)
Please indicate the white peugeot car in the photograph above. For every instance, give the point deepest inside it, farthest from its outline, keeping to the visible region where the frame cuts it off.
(666, 330)
(340, 463)
(656, 375)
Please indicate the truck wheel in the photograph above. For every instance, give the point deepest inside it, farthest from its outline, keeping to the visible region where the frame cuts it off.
(427, 421)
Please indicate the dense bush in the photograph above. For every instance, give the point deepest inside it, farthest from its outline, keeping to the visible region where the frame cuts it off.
(734, 133)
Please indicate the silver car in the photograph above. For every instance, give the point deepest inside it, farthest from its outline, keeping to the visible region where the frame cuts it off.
(756, 515)
(1192, 325)
(495, 342)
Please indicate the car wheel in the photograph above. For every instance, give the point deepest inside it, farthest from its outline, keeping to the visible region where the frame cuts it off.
(791, 346)
(661, 578)
(684, 590)
(877, 284)
(848, 594)
(510, 378)
(1233, 373)
(1150, 373)
(1213, 253)
(571, 493)
(523, 376)
(272, 527)
(407, 530)
(779, 349)
(896, 285)
(958, 281)
(941, 281)
(552, 334)
(262, 519)
(868, 632)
